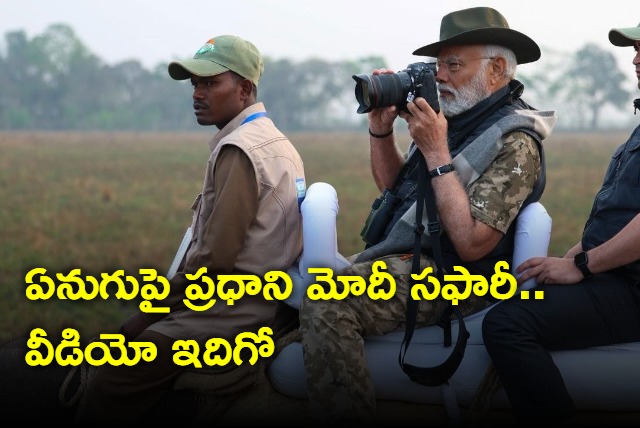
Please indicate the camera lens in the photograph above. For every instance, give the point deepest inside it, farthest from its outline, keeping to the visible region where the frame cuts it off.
(382, 90)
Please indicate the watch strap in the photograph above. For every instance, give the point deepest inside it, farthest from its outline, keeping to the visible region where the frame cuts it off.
(581, 260)
(441, 170)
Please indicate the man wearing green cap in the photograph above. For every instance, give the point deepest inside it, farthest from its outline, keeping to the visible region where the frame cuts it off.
(483, 152)
(591, 294)
(246, 220)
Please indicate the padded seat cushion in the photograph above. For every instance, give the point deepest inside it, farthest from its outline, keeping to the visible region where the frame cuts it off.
(603, 378)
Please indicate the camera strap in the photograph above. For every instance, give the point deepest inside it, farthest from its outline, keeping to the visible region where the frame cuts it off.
(440, 374)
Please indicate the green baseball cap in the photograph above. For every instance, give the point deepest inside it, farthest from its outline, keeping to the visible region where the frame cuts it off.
(481, 25)
(624, 36)
(218, 55)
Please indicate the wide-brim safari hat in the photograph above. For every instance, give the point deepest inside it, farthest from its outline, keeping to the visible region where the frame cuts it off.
(624, 36)
(485, 26)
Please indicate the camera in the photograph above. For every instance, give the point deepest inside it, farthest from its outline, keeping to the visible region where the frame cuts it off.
(383, 90)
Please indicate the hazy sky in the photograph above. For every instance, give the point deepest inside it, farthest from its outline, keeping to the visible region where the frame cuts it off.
(156, 31)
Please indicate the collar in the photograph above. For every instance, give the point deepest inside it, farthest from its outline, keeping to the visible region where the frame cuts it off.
(236, 122)
(460, 123)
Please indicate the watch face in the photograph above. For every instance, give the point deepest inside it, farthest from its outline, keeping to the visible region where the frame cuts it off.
(581, 259)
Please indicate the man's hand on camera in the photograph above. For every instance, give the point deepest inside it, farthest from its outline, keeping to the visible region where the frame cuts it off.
(427, 128)
(381, 119)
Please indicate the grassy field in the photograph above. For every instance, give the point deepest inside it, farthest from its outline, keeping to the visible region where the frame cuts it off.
(109, 201)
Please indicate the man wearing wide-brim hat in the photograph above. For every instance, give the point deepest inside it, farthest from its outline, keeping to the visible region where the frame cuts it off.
(483, 152)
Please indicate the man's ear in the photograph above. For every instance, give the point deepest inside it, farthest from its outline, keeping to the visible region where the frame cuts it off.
(247, 88)
(498, 67)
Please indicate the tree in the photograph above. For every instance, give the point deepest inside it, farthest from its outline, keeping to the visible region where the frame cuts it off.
(53, 81)
(312, 94)
(20, 82)
(590, 81)
(74, 77)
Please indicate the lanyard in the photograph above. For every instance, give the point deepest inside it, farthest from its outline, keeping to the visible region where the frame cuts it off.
(254, 116)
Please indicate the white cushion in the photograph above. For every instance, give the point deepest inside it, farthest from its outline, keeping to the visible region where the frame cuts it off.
(603, 378)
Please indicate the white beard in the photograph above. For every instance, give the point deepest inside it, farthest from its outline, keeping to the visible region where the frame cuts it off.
(464, 98)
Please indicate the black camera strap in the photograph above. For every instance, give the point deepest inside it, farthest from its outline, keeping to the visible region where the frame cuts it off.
(440, 374)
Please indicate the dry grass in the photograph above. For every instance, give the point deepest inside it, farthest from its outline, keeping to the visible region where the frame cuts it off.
(108, 201)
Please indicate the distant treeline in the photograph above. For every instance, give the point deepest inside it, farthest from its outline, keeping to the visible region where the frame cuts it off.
(53, 82)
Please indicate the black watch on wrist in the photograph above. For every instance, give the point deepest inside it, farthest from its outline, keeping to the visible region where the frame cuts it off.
(581, 260)
(441, 170)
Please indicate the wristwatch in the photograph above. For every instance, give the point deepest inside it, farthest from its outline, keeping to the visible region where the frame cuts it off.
(581, 260)
(441, 170)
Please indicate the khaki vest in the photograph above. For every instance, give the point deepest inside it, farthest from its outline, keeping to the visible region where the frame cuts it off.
(274, 240)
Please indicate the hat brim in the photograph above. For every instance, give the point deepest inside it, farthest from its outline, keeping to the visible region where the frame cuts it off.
(624, 36)
(181, 70)
(525, 49)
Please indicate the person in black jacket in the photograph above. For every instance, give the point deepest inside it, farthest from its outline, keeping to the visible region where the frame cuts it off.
(591, 294)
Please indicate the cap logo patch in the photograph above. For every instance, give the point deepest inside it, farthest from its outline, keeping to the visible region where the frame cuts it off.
(207, 47)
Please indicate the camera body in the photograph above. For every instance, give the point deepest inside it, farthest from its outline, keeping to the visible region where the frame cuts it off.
(383, 90)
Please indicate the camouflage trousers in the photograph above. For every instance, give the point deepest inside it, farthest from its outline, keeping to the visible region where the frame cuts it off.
(333, 331)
